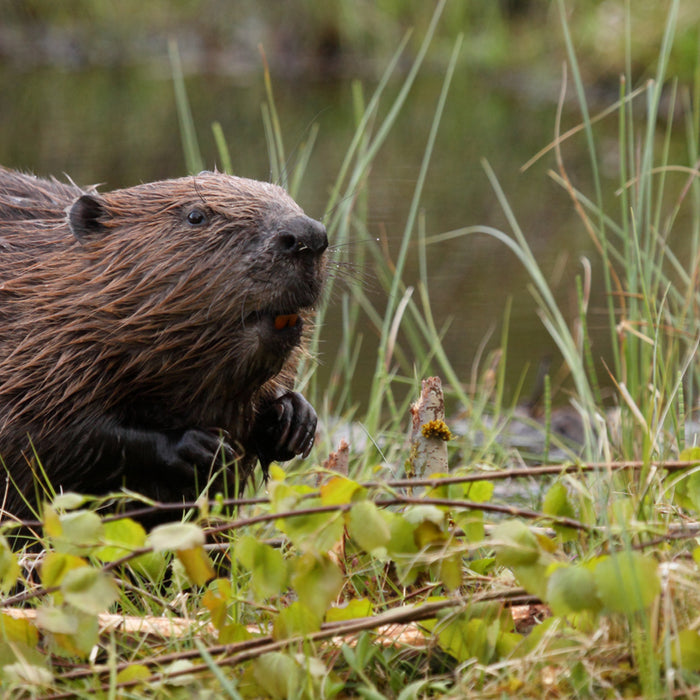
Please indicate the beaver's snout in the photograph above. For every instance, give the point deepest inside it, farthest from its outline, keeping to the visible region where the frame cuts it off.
(301, 236)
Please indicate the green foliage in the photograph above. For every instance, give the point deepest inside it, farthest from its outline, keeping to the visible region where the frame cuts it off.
(301, 594)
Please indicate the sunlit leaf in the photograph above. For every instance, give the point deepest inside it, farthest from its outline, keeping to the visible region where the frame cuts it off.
(350, 610)
(174, 536)
(478, 491)
(340, 490)
(68, 501)
(81, 532)
(120, 537)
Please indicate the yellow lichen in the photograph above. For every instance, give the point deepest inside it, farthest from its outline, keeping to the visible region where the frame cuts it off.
(436, 429)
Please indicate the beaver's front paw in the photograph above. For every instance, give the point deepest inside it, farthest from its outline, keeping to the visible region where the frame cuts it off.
(285, 428)
(181, 455)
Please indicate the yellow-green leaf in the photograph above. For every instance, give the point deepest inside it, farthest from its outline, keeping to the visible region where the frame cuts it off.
(90, 590)
(340, 490)
(367, 526)
(9, 567)
(515, 544)
(572, 589)
(294, 620)
(317, 581)
(120, 537)
(277, 674)
(685, 650)
(627, 582)
(18, 629)
(197, 564)
(350, 610)
(266, 564)
(174, 536)
(55, 566)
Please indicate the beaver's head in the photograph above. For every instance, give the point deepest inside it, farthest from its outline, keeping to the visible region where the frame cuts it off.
(213, 265)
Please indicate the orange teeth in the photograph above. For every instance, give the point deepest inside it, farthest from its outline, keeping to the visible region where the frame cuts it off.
(286, 321)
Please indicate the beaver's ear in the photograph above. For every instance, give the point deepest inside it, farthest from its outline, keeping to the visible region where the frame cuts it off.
(84, 218)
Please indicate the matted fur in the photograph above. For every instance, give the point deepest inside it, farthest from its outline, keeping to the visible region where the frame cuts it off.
(150, 319)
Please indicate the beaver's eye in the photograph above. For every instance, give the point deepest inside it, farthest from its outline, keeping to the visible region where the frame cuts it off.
(196, 217)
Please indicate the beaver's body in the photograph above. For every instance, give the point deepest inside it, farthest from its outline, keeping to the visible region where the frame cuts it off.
(138, 326)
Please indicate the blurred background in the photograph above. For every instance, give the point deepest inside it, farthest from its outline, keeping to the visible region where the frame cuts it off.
(86, 90)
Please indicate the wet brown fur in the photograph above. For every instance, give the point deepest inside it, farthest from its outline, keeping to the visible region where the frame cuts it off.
(151, 311)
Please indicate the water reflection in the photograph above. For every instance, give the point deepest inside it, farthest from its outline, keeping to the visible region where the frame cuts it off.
(118, 126)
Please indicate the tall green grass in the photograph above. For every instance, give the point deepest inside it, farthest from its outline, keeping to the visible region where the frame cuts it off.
(649, 278)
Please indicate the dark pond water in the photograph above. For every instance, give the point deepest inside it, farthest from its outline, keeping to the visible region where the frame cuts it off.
(118, 126)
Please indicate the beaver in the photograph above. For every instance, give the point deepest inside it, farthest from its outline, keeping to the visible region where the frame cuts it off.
(149, 336)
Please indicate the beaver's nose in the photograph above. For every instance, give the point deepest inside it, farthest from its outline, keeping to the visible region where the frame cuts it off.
(303, 235)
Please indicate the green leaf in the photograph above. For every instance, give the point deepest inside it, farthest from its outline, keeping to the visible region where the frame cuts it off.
(80, 532)
(515, 544)
(685, 650)
(266, 564)
(216, 600)
(451, 571)
(134, 672)
(428, 534)
(18, 629)
(317, 581)
(277, 674)
(340, 490)
(9, 567)
(627, 582)
(478, 491)
(367, 526)
(57, 620)
(120, 537)
(350, 610)
(472, 523)
(465, 638)
(82, 641)
(89, 590)
(294, 620)
(556, 503)
(197, 565)
(572, 589)
(68, 501)
(690, 454)
(317, 531)
(174, 536)
(55, 567)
